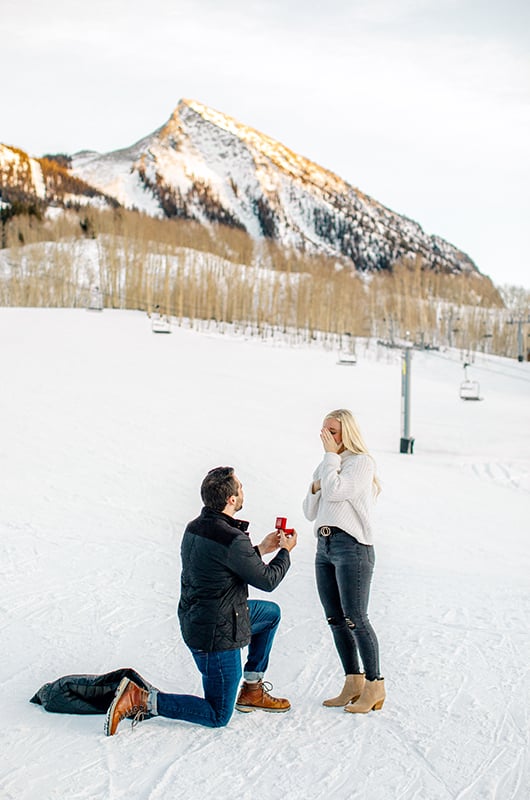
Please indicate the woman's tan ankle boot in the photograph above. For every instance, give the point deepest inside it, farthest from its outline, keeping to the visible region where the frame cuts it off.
(353, 686)
(371, 699)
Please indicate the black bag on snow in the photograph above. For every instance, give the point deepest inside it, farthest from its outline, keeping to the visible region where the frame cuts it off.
(84, 694)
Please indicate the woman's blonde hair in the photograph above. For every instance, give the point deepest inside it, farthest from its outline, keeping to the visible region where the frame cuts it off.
(351, 436)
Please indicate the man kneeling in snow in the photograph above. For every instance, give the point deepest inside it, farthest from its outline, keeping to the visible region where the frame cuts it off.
(216, 617)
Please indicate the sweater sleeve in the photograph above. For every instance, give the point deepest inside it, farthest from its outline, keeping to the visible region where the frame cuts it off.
(248, 565)
(311, 503)
(345, 480)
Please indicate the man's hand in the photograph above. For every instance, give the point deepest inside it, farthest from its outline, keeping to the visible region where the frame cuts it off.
(270, 543)
(288, 541)
(330, 445)
(315, 487)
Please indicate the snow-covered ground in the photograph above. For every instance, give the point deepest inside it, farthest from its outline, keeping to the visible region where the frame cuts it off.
(106, 433)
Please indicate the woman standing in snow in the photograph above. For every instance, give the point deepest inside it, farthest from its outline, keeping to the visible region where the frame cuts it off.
(339, 501)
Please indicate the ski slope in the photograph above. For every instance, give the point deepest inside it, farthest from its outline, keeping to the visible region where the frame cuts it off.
(106, 433)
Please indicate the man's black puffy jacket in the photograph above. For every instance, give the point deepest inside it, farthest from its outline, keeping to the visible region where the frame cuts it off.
(218, 563)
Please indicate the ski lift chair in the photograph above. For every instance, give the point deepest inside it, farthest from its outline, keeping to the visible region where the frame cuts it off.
(347, 359)
(470, 390)
(160, 325)
(95, 302)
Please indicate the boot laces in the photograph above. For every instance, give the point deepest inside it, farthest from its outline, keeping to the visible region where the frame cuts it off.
(139, 715)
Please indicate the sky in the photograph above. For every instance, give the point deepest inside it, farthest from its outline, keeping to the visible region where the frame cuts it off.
(422, 104)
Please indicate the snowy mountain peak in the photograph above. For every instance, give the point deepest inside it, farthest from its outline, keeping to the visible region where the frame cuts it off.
(268, 147)
(207, 166)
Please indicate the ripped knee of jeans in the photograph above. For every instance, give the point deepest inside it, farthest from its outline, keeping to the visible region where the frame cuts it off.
(337, 622)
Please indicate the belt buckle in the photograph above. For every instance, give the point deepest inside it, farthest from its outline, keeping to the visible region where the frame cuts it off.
(325, 530)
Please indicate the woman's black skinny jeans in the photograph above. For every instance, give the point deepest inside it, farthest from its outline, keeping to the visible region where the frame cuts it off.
(344, 570)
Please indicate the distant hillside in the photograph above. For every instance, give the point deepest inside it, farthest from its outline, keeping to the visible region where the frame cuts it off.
(30, 185)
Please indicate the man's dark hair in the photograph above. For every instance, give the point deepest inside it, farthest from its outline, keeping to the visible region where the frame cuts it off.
(217, 487)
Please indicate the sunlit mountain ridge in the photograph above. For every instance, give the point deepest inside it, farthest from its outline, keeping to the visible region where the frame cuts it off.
(206, 166)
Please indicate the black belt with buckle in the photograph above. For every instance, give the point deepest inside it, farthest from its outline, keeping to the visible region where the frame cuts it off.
(328, 530)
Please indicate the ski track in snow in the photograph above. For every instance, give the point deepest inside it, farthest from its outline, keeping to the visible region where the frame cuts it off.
(103, 457)
(510, 475)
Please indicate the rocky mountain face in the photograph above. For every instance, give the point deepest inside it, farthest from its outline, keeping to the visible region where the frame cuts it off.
(206, 166)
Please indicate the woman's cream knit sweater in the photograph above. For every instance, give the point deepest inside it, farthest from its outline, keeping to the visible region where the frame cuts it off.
(346, 495)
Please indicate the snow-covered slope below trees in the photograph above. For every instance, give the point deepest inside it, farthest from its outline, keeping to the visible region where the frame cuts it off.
(108, 431)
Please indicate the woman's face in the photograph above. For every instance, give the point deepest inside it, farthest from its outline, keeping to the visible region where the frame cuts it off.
(335, 428)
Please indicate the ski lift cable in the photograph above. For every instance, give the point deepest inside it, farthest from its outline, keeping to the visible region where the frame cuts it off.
(515, 376)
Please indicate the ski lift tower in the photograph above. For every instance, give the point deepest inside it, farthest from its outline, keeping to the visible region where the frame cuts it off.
(406, 443)
(520, 348)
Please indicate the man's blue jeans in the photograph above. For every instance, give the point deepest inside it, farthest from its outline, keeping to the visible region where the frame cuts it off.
(221, 673)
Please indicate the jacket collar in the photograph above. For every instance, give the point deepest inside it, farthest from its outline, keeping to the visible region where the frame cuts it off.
(240, 524)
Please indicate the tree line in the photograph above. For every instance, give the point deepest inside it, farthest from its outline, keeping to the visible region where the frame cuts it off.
(190, 271)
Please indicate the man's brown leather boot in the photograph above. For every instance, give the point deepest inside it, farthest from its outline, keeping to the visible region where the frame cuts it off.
(129, 701)
(256, 695)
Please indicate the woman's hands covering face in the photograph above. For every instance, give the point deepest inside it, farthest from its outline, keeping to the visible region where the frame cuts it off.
(329, 443)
